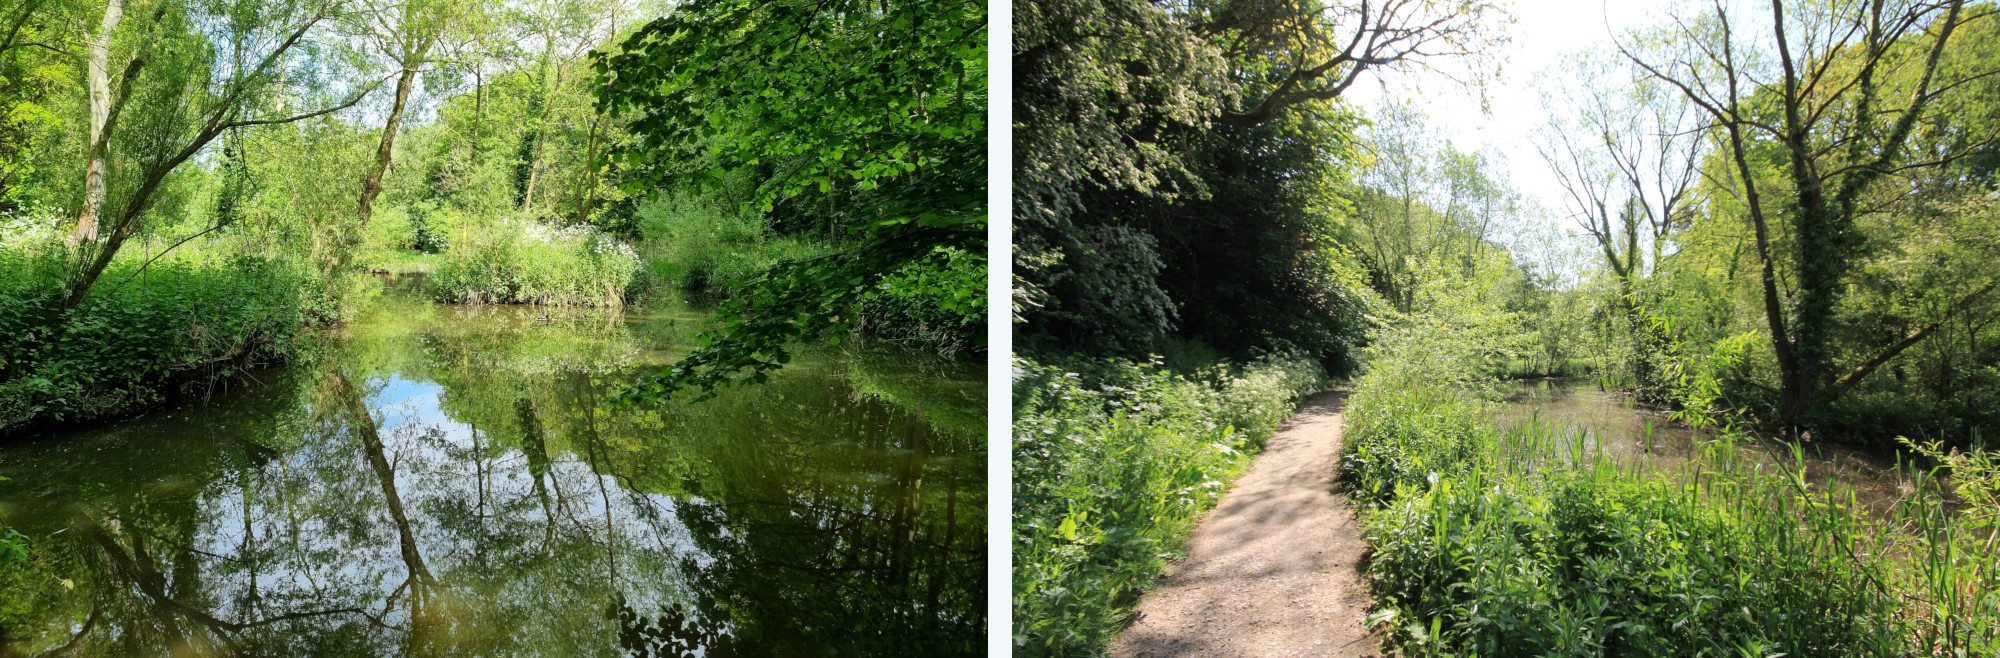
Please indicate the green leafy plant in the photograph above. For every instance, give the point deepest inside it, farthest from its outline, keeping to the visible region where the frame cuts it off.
(876, 104)
(524, 262)
(1114, 462)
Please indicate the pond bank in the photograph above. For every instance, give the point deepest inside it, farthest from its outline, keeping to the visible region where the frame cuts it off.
(1627, 429)
(440, 478)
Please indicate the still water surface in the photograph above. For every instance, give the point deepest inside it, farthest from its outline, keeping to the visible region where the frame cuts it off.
(447, 480)
(1626, 430)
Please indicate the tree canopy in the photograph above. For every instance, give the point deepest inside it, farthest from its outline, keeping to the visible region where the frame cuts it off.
(872, 113)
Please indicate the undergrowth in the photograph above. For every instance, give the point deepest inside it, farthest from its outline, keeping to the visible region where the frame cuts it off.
(141, 337)
(704, 249)
(1532, 542)
(1114, 462)
(524, 262)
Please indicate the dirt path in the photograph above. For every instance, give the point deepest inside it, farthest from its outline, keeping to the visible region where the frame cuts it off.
(1274, 568)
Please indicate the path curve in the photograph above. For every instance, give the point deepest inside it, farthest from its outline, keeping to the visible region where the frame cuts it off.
(1274, 569)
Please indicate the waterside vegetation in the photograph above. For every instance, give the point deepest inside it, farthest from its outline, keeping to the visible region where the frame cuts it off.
(189, 190)
(1775, 220)
(1115, 462)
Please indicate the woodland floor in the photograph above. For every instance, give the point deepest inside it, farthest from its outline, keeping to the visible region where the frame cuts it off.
(1274, 569)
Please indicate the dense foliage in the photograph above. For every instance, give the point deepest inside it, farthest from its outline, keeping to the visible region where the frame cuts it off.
(172, 330)
(1533, 541)
(1177, 174)
(869, 117)
(1113, 464)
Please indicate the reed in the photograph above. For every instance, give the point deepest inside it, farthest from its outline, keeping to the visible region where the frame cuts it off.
(1531, 540)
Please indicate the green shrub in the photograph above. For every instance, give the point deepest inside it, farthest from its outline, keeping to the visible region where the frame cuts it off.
(1397, 441)
(1587, 560)
(937, 303)
(520, 261)
(697, 246)
(1114, 462)
(139, 338)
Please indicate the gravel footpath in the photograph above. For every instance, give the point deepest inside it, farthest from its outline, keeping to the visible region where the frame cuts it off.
(1274, 569)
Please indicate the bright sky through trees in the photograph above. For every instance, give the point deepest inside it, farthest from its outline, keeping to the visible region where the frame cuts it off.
(1543, 32)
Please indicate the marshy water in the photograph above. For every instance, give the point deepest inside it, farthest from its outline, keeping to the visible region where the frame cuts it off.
(1623, 429)
(449, 480)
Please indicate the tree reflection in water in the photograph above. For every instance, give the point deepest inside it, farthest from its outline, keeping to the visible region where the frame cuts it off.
(445, 481)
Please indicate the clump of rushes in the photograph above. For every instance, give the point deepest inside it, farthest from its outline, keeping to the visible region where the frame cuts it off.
(1530, 541)
(1114, 462)
(521, 261)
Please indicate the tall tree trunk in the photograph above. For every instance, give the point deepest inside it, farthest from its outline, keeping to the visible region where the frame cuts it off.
(99, 76)
(478, 115)
(534, 171)
(372, 186)
(586, 192)
(541, 125)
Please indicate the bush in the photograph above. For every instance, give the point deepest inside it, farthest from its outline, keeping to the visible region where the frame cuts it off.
(139, 338)
(697, 246)
(1398, 441)
(937, 303)
(524, 262)
(1114, 462)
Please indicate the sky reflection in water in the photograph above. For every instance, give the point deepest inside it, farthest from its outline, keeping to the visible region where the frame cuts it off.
(447, 481)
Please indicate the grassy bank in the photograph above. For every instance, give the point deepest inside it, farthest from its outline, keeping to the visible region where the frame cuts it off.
(1529, 541)
(1114, 462)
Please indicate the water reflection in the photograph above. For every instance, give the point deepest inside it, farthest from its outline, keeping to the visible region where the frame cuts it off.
(445, 481)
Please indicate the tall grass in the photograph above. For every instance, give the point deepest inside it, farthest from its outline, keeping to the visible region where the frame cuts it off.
(1114, 462)
(1531, 541)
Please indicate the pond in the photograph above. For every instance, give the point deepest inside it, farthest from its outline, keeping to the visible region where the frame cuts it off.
(439, 479)
(1626, 429)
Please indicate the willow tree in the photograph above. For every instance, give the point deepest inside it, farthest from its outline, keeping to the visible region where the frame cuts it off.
(165, 79)
(1826, 96)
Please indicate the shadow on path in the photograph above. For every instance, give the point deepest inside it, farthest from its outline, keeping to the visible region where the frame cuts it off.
(1274, 569)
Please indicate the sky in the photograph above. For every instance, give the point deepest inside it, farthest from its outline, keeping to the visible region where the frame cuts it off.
(1543, 32)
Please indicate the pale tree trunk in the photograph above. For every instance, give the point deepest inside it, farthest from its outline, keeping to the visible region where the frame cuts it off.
(478, 115)
(586, 192)
(372, 186)
(541, 125)
(99, 76)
